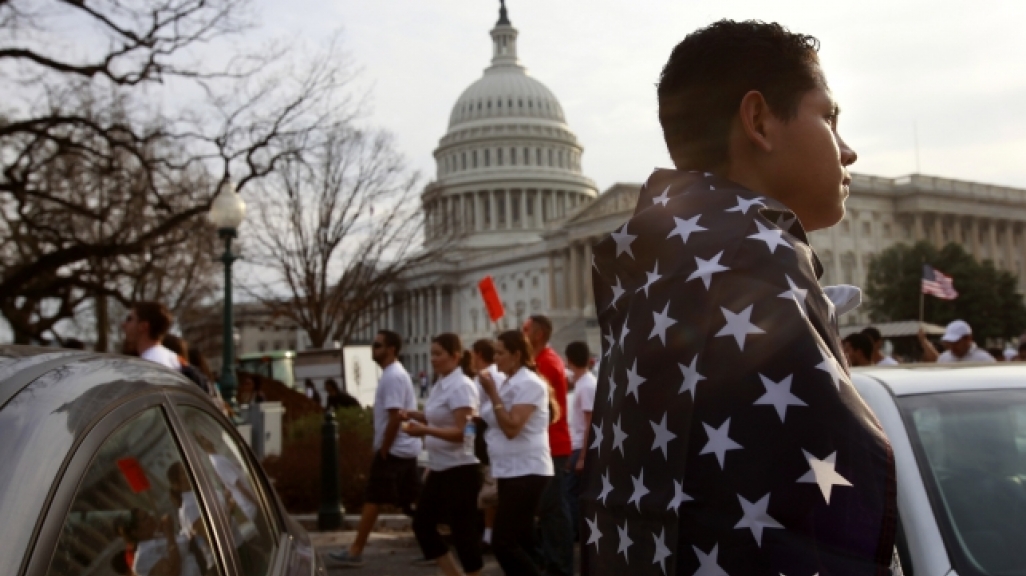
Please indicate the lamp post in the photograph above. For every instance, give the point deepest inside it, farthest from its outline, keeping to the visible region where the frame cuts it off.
(226, 213)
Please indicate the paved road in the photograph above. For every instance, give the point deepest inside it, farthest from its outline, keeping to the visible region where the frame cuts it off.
(387, 554)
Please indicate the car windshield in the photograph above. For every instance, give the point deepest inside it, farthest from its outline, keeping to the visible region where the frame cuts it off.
(971, 448)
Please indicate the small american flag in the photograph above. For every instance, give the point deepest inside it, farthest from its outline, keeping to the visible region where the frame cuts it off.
(938, 284)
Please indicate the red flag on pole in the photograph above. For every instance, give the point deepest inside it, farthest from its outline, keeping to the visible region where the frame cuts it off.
(134, 474)
(491, 298)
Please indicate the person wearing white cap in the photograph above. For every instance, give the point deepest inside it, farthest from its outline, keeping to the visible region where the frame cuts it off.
(958, 341)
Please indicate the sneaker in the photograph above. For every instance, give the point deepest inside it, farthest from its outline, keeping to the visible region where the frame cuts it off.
(345, 560)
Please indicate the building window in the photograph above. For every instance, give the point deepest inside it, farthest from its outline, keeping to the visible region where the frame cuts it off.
(534, 282)
(887, 230)
(500, 205)
(520, 103)
(498, 156)
(538, 156)
(463, 160)
(561, 159)
(527, 157)
(530, 205)
(866, 229)
(513, 156)
(475, 158)
(478, 106)
(520, 284)
(510, 102)
(846, 227)
(488, 158)
(530, 103)
(514, 210)
(498, 103)
(486, 207)
(262, 346)
(489, 104)
(550, 157)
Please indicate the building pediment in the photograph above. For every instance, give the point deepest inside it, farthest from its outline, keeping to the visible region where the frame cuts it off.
(620, 199)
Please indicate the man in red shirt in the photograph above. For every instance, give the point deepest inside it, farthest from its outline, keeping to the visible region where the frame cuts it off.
(555, 534)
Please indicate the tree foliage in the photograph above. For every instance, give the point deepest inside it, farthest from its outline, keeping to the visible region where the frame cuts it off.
(987, 297)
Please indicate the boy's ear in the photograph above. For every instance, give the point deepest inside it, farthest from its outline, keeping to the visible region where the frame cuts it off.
(754, 118)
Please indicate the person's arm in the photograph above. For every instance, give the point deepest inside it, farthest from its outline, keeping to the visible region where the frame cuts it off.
(391, 431)
(584, 447)
(408, 415)
(453, 434)
(930, 353)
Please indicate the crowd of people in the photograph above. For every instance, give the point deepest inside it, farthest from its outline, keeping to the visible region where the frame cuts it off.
(865, 348)
(504, 451)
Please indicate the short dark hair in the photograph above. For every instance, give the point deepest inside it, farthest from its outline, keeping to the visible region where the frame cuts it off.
(710, 71)
(485, 350)
(873, 334)
(392, 340)
(543, 323)
(577, 354)
(450, 343)
(156, 315)
(862, 343)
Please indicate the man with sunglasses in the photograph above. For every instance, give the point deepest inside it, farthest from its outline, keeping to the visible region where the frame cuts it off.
(393, 474)
(145, 327)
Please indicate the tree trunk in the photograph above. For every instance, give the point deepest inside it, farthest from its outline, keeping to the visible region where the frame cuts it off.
(102, 324)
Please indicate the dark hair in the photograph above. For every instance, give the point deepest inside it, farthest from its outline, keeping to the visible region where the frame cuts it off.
(156, 315)
(514, 341)
(176, 344)
(873, 334)
(392, 340)
(450, 343)
(577, 354)
(485, 350)
(467, 364)
(198, 361)
(543, 323)
(710, 71)
(862, 343)
(331, 386)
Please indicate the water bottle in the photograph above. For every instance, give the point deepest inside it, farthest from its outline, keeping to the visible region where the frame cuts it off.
(469, 431)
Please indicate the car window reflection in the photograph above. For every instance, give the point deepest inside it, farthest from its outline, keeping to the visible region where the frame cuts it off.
(136, 511)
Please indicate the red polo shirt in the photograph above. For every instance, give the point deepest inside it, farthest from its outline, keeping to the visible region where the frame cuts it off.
(550, 365)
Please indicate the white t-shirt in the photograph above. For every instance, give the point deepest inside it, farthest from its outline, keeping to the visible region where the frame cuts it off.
(975, 354)
(451, 393)
(887, 361)
(528, 452)
(162, 356)
(149, 552)
(395, 391)
(231, 474)
(499, 378)
(584, 401)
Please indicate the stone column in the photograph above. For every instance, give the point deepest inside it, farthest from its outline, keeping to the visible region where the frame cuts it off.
(493, 209)
(389, 315)
(437, 292)
(917, 228)
(974, 229)
(992, 241)
(454, 309)
(523, 210)
(507, 197)
(571, 278)
(1010, 247)
(589, 289)
(958, 231)
(552, 281)
(938, 230)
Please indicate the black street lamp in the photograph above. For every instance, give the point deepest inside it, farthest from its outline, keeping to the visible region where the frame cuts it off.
(226, 213)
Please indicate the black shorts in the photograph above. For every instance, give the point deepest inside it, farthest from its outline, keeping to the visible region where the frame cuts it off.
(393, 480)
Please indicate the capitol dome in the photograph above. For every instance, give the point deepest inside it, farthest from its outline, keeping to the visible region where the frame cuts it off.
(508, 167)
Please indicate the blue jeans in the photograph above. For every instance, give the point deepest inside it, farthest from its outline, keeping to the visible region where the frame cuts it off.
(572, 486)
(555, 534)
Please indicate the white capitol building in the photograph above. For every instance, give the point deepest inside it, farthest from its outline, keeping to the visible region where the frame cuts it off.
(509, 184)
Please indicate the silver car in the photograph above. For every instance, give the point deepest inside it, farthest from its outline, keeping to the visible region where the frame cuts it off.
(959, 439)
(114, 465)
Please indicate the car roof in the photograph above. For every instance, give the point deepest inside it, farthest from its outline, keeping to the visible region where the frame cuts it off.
(910, 379)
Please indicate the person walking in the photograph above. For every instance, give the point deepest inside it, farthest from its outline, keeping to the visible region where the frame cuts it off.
(482, 357)
(518, 447)
(554, 529)
(393, 473)
(584, 384)
(959, 345)
(144, 328)
(450, 491)
(879, 358)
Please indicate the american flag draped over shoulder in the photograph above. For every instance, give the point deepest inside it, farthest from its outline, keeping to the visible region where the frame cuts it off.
(938, 284)
(727, 437)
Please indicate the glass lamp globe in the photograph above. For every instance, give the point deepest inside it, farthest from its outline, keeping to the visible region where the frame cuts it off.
(227, 210)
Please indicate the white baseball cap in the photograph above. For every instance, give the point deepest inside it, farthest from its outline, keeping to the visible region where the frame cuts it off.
(956, 330)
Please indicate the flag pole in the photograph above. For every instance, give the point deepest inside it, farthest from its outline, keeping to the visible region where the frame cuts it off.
(922, 295)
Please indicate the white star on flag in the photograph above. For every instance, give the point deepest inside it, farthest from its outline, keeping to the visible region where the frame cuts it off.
(739, 325)
(831, 367)
(661, 551)
(831, 308)
(595, 534)
(663, 198)
(719, 442)
(623, 241)
(784, 222)
(607, 487)
(619, 436)
(625, 541)
(684, 228)
(771, 236)
(662, 321)
(662, 436)
(634, 381)
(797, 294)
(618, 291)
(822, 473)
(610, 342)
(706, 268)
(756, 518)
(743, 205)
(653, 277)
(597, 442)
(679, 497)
(691, 377)
(778, 395)
(708, 562)
(612, 386)
(626, 330)
(639, 490)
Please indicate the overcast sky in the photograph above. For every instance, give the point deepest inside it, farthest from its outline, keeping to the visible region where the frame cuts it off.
(955, 69)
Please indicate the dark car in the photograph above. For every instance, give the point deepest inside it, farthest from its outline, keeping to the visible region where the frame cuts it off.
(115, 465)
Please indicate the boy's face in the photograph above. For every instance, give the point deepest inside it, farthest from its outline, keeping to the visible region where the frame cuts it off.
(807, 167)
